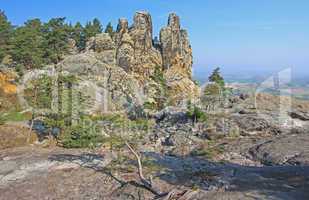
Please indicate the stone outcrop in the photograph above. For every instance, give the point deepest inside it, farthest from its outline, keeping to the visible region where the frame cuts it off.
(127, 69)
(135, 51)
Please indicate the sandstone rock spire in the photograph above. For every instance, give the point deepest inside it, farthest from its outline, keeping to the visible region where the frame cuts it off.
(175, 45)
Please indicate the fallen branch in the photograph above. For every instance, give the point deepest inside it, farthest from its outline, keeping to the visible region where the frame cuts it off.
(146, 183)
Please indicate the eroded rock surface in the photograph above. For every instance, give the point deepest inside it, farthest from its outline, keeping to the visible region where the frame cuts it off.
(290, 149)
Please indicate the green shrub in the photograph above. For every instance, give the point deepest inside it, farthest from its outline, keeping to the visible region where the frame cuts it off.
(161, 92)
(80, 136)
(2, 119)
(196, 113)
(15, 116)
(150, 105)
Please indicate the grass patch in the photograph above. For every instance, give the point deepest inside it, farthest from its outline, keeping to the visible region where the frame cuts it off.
(15, 116)
(2, 119)
(208, 151)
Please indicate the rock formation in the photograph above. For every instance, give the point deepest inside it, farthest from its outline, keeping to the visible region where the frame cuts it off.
(120, 70)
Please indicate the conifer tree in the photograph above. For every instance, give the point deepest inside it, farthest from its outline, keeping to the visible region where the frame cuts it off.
(57, 33)
(216, 77)
(92, 28)
(28, 45)
(79, 36)
(5, 34)
(109, 29)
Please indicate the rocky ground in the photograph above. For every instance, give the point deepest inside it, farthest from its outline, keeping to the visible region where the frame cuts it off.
(260, 161)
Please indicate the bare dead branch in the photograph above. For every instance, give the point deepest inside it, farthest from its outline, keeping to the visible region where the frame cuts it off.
(146, 183)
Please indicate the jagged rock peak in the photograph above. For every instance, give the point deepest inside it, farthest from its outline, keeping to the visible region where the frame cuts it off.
(123, 25)
(174, 21)
(175, 45)
(142, 20)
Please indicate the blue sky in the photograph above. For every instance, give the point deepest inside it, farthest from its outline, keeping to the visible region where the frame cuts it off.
(237, 35)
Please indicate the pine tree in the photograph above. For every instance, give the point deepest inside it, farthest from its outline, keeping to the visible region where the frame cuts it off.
(27, 45)
(57, 33)
(109, 29)
(79, 36)
(5, 34)
(92, 28)
(216, 77)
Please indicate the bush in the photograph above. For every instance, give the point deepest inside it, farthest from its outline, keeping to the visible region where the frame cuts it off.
(196, 114)
(2, 119)
(16, 116)
(212, 90)
(81, 136)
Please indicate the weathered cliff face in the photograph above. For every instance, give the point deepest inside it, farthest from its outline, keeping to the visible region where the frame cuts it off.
(130, 68)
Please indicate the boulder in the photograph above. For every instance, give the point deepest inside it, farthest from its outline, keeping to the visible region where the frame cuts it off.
(171, 115)
(249, 124)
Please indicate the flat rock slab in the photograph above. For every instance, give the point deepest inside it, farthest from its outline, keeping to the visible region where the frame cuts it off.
(35, 173)
(283, 150)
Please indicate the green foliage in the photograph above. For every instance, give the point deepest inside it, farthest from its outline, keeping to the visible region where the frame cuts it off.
(212, 95)
(216, 77)
(5, 35)
(57, 33)
(196, 113)
(81, 136)
(78, 34)
(115, 119)
(28, 45)
(36, 44)
(7, 60)
(150, 105)
(87, 133)
(212, 90)
(109, 29)
(2, 119)
(39, 94)
(140, 124)
(161, 92)
(92, 28)
(196, 82)
(121, 121)
(13, 116)
(16, 116)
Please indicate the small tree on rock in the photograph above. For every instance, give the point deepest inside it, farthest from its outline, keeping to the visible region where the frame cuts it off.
(217, 78)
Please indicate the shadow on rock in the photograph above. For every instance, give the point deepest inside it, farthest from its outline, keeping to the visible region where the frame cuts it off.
(279, 182)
